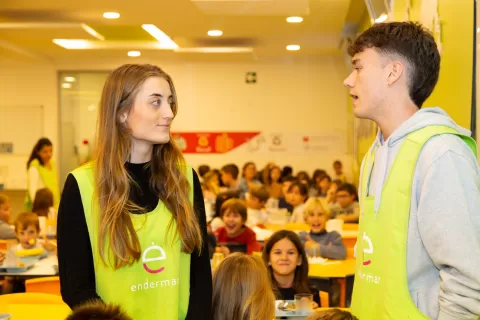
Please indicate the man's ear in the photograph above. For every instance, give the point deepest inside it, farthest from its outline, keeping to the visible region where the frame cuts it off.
(397, 68)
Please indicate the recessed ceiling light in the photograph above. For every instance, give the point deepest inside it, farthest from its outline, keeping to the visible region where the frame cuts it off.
(161, 37)
(215, 33)
(66, 85)
(293, 47)
(69, 79)
(294, 19)
(383, 17)
(111, 15)
(134, 53)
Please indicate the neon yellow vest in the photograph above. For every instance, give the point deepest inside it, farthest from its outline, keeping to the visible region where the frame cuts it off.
(158, 285)
(381, 286)
(49, 179)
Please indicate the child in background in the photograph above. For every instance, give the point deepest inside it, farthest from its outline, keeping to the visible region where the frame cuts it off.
(43, 204)
(98, 310)
(203, 169)
(331, 198)
(256, 215)
(332, 314)
(323, 185)
(338, 169)
(303, 177)
(217, 221)
(272, 175)
(347, 207)
(229, 175)
(242, 290)
(248, 180)
(6, 231)
(210, 186)
(298, 195)
(234, 215)
(288, 266)
(328, 244)
(283, 202)
(27, 229)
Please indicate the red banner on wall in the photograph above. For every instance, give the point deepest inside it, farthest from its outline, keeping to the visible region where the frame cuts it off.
(211, 142)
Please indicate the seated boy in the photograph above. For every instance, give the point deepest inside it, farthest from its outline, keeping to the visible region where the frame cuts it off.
(256, 215)
(234, 215)
(328, 244)
(346, 206)
(27, 229)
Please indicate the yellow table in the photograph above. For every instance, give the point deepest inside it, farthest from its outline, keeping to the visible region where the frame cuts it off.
(36, 311)
(332, 269)
(337, 270)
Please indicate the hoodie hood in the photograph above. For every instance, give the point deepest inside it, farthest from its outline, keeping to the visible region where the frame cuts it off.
(385, 151)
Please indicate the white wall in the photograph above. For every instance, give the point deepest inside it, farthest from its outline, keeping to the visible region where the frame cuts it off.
(26, 85)
(294, 96)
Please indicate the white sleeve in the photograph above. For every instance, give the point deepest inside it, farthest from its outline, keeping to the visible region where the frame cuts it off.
(34, 182)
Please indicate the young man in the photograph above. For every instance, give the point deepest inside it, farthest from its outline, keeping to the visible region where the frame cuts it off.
(419, 250)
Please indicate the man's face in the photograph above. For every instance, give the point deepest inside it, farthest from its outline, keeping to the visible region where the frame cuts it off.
(368, 83)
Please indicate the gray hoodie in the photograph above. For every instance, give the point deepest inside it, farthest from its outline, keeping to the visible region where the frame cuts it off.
(443, 252)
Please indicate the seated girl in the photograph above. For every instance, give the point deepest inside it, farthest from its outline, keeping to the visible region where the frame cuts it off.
(288, 266)
(241, 290)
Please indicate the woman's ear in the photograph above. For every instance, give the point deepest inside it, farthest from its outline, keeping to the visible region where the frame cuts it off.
(300, 260)
(123, 117)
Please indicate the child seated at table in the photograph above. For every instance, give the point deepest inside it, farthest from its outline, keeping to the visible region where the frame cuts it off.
(298, 194)
(241, 289)
(27, 229)
(346, 206)
(6, 230)
(288, 266)
(234, 215)
(98, 310)
(256, 214)
(332, 314)
(318, 240)
(43, 204)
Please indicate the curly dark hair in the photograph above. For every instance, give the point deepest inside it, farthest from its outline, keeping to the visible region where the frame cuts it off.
(414, 44)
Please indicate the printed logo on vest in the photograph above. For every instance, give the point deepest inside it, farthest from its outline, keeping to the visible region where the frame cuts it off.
(158, 255)
(368, 250)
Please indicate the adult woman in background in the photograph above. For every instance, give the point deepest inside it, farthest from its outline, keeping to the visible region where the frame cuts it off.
(41, 173)
(131, 225)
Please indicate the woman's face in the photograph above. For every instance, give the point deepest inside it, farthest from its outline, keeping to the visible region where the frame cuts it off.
(45, 154)
(250, 171)
(151, 115)
(284, 257)
(275, 174)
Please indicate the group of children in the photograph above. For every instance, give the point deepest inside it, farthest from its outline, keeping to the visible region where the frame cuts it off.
(26, 230)
(273, 188)
(245, 287)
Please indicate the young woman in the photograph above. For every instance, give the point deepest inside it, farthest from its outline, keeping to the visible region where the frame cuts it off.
(131, 224)
(288, 266)
(41, 173)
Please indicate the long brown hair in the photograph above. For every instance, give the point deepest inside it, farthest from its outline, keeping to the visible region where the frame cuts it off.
(112, 181)
(242, 290)
(300, 282)
(42, 142)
